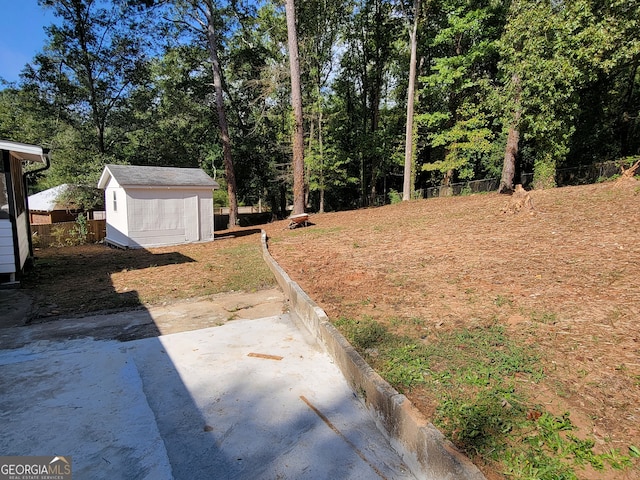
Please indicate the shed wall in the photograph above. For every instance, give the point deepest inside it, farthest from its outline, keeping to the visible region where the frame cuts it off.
(161, 216)
(206, 218)
(117, 228)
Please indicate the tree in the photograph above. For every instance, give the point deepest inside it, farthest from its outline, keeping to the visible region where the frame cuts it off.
(513, 139)
(411, 94)
(222, 119)
(296, 102)
(545, 49)
(94, 58)
(207, 18)
(319, 25)
(457, 114)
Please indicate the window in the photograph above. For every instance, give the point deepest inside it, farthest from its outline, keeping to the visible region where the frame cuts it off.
(115, 202)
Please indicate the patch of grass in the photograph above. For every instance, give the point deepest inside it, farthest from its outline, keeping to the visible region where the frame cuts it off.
(245, 268)
(501, 300)
(481, 410)
(547, 318)
(364, 333)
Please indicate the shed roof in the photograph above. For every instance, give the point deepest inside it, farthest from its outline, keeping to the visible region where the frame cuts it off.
(47, 200)
(132, 175)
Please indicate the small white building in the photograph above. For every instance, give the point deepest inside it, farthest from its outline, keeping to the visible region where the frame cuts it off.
(156, 206)
(15, 230)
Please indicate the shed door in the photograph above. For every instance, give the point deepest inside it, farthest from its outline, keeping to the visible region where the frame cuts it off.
(191, 219)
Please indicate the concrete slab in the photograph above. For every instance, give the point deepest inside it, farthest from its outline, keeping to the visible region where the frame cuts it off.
(248, 399)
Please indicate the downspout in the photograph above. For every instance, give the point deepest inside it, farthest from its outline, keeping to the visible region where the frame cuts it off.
(47, 164)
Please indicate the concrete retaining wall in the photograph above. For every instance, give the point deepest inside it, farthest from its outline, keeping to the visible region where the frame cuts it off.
(424, 449)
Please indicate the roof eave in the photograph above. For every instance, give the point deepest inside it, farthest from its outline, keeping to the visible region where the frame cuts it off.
(23, 151)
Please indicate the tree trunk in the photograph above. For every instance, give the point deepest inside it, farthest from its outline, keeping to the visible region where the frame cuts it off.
(222, 119)
(296, 103)
(509, 165)
(446, 190)
(513, 139)
(321, 147)
(408, 145)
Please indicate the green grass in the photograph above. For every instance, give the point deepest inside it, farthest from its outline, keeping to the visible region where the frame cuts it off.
(472, 373)
(246, 270)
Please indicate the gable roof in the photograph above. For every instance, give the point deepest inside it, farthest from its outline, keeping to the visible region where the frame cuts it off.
(132, 175)
(47, 200)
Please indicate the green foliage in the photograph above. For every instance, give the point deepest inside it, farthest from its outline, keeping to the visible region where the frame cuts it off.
(544, 173)
(481, 408)
(138, 90)
(364, 333)
(394, 196)
(456, 111)
(80, 231)
(82, 197)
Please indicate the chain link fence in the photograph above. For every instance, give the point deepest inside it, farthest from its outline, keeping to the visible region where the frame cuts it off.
(564, 177)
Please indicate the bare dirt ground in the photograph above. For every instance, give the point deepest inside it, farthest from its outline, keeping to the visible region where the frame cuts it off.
(561, 273)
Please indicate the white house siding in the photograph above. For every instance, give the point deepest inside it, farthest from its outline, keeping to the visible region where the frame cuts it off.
(7, 260)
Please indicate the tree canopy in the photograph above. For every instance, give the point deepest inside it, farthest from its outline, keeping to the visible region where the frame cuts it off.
(511, 86)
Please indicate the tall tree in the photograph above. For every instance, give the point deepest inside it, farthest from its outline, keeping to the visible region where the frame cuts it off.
(296, 102)
(94, 58)
(513, 139)
(456, 113)
(545, 48)
(407, 186)
(205, 18)
(320, 23)
(230, 175)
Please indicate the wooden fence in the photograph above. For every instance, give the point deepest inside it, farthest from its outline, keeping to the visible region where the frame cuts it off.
(66, 233)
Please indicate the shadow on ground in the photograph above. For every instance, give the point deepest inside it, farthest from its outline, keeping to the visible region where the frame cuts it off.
(252, 398)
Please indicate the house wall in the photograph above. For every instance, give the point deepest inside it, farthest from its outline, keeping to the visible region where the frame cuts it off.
(7, 260)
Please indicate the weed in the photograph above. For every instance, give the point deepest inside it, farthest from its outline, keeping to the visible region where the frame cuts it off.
(418, 321)
(481, 410)
(501, 300)
(547, 318)
(405, 366)
(394, 196)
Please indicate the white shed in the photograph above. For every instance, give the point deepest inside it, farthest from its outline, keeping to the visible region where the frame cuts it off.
(15, 231)
(156, 206)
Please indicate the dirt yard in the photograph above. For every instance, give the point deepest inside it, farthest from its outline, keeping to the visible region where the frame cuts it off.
(560, 271)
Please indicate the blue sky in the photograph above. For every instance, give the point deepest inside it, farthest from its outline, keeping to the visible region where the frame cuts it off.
(22, 34)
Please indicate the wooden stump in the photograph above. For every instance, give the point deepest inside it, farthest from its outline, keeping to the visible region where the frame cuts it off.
(520, 201)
